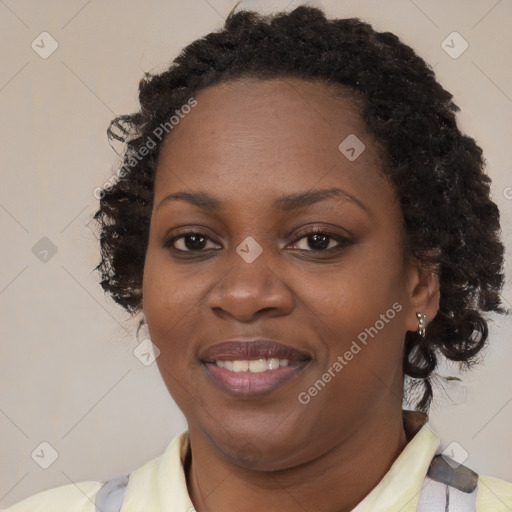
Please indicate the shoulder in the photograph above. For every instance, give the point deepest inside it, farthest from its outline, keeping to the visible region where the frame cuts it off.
(139, 487)
(89, 496)
(77, 497)
(493, 495)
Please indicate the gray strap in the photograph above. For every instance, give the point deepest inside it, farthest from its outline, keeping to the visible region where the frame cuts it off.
(448, 487)
(110, 497)
(446, 470)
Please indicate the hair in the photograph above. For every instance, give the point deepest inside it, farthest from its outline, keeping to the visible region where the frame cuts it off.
(450, 222)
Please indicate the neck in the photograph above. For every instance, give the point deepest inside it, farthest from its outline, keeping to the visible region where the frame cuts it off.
(334, 482)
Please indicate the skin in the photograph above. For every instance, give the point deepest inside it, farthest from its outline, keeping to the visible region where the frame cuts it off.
(248, 142)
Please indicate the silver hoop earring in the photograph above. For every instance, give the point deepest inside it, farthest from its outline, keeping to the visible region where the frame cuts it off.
(422, 324)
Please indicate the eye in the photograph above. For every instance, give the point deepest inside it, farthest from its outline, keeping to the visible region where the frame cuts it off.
(320, 240)
(190, 241)
(317, 239)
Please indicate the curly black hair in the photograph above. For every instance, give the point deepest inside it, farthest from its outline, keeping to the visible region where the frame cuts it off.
(449, 220)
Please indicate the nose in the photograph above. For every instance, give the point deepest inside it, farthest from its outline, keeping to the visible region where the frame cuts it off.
(249, 290)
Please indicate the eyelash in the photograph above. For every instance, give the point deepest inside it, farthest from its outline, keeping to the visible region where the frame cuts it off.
(342, 241)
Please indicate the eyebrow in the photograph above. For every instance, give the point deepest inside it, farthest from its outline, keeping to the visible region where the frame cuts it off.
(286, 203)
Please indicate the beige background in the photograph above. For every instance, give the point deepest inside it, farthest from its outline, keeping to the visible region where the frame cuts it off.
(68, 374)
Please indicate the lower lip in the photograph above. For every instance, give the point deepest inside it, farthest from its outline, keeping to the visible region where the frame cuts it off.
(252, 385)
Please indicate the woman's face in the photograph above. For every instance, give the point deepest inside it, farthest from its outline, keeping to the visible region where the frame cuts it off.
(249, 265)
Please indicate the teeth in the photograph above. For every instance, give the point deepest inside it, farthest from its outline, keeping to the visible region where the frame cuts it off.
(253, 366)
(240, 366)
(257, 365)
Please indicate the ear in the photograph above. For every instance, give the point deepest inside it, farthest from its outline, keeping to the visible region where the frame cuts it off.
(423, 293)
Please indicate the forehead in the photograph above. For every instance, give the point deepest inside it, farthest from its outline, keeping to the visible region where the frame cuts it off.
(283, 133)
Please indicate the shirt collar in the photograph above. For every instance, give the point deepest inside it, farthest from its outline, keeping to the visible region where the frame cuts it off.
(399, 489)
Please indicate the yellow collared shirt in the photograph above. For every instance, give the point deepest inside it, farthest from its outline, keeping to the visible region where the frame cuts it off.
(160, 485)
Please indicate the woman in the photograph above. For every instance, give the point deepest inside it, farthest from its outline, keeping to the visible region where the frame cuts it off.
(302, 226)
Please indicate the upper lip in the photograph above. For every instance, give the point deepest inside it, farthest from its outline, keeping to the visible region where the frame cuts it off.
(255, 348)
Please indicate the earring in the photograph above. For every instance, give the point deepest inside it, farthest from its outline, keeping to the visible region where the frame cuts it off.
(422, 324)
(142, 325)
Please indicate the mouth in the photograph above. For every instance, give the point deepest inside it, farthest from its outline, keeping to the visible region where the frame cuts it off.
(254, 368)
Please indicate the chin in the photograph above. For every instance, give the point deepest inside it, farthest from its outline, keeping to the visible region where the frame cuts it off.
(261, 452)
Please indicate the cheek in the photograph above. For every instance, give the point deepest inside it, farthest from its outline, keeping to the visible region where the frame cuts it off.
(358, 291)
(360, 315)
(170, 301)
(170, 304)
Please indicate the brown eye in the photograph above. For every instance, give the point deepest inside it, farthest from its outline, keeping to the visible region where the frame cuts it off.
(322, 241)
(193, 241)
